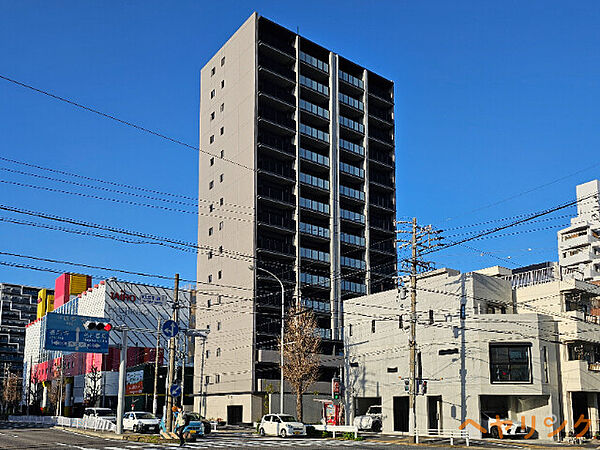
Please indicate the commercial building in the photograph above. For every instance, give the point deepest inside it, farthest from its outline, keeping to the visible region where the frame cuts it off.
(93, 378)
(579, 244)
(296, 177)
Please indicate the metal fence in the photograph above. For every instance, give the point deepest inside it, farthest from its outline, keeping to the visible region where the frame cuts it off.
(89, 423)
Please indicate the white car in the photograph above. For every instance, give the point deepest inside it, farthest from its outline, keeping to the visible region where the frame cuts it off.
(282, 425)
(102, 413)
(508, 428)
(372, 420)
(140, 422)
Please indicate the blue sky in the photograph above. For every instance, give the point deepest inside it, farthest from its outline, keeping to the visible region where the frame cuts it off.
(493, 99)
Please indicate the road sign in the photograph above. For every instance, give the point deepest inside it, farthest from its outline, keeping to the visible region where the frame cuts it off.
(67, 333)
(175, 390)
(170, 328)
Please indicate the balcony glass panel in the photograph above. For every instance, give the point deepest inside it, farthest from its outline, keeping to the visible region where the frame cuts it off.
(314, 61)
(352, 239)
(315, 109)
(352, 170)
(317, 305)
(352, 124)
(351, 286)
(324, 333)
(314, 85)
(314, 280)
(351, 215)
(314, 181)
(354, 193)
(315, 205)
(313, 132)
(315, 230)
(314, 254)
(314, 157)
(351, 79)
(351, 101)
(352, 262)
(352, 147)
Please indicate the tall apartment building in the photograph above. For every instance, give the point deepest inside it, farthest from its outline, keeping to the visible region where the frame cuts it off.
(296, 177)
(579, 244)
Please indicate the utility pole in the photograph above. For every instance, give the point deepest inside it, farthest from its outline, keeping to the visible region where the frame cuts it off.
(155, 399)
(421, 237)
(172, 349)
(122, 374)
(62, 366)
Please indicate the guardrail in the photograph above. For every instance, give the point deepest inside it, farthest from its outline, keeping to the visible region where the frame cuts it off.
(48, 420)
(337, 429)
(89, 423)
(444, 434)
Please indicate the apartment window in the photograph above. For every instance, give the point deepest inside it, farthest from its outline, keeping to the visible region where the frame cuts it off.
(222, 84)
(372, 326)
(220, 225)
(218, 326)
(222, 61)
(222, 154)
(210, 255)
(210, 278)
(207, 379)
(221, 178)
(212, 138)
(210, 231)
(212, 71)
(510, 363)
(220, 249)
(217, 378)
(222, 107)
(350, 329)
(207, 354)
(222, 130)
(208, 303)
(211, 184)
(212, 94)
(221, 201)
(212, 115)
(220, 274)
(211, 207)
(212, 161)
(218, 352)
(545, 364)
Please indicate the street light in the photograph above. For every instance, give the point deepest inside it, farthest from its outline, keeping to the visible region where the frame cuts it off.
(282, 331)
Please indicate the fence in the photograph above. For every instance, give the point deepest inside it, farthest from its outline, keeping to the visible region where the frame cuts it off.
(444, 434)
(337, 429)
(90, 423)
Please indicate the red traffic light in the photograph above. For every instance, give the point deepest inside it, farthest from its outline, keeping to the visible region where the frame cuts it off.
(107, 327)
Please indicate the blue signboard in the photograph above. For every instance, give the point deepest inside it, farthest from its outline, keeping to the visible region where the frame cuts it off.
(67, 333)
(170, 328)
(175, 390)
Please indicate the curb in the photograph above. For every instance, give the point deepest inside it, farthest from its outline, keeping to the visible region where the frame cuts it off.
(123, 437)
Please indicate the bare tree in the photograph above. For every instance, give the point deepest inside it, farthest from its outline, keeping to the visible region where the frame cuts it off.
(301, 353)
(93, 386)
(11, 391)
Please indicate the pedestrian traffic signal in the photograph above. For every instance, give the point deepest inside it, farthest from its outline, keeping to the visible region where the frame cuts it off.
(406, 385)
(335, 388)
(97, 326)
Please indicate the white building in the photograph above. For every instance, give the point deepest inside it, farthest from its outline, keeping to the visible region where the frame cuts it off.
(579, 244)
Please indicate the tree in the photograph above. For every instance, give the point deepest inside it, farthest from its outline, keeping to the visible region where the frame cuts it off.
(93, 387)
(301, 353)
(11, 391)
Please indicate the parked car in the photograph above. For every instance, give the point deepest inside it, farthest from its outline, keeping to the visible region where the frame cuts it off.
(195, 417)
(103, 413)
(141, 422)
(507, 429)
(282, 425)
(372, 420)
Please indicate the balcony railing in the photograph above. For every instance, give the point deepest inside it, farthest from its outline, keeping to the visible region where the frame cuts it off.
(352, 147)
(314, 157)
(352, 239)
(352, 124)
(352, 216)
(382, 114)
(278, 117)
(353, 287)
(385, 246)
(276, 246)
(274, 66)
(276, 42)
(311, 60)
(317, 305)
(315, 133)
(352, 193)
(351, 101)
(381, 223)
(315, 255)
(352, 262)
(383, 136)
(380, 92)
(314, 85)
(276, 220)
(277, 92)
(314, 230)
(351, 79)
(314, 205)
(381, 157)
(311, 279)
(276, 142)
(314, 109)
(352, 170)
(314, 181)
(323, 333)
(382, 179)
(276, 194)
(382, 202)
(277, 168)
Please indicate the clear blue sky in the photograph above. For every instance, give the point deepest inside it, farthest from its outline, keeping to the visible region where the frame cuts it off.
(492, 99)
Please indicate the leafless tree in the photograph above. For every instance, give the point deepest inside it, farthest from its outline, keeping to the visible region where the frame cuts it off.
(93, 386)
(301, 352)
(11, 391)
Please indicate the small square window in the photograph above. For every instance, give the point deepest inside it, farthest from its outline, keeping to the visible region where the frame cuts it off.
(210, 255)
(212, 71)
(218, 352)
(217, 378)
(218, 325)
(221, 225)
(207, 356)
(210, 278)
(212, 115)
(222, 131)
(212, 94)
(222, 61)
(207, 377)
(208, 303)
(372, 326)
(221, 178)
(222, 107)
(211, 184)
(220, 274)
(212, 138)
(222, 154)
(220, 249)
(211, 207)
(212, 161)
(210, 231)
(221, 201)
(222, 84)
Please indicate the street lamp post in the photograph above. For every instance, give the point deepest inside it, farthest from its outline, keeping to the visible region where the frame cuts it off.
(281, 392)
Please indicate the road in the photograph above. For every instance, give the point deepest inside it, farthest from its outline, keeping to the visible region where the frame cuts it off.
(15, 436)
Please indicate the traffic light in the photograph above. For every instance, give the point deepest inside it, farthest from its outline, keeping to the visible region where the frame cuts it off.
(97, 326)
(335, 388)
(424, 387)
(406, 385)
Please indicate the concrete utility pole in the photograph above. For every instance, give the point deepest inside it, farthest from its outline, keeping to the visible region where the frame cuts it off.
(172, 350)
(421, 238)
(122, 374)
(155, 398)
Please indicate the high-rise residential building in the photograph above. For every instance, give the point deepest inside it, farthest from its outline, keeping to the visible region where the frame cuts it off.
(579, 244)
(296, 177)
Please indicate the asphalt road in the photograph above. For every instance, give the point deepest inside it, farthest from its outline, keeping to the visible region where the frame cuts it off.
(15, 436)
